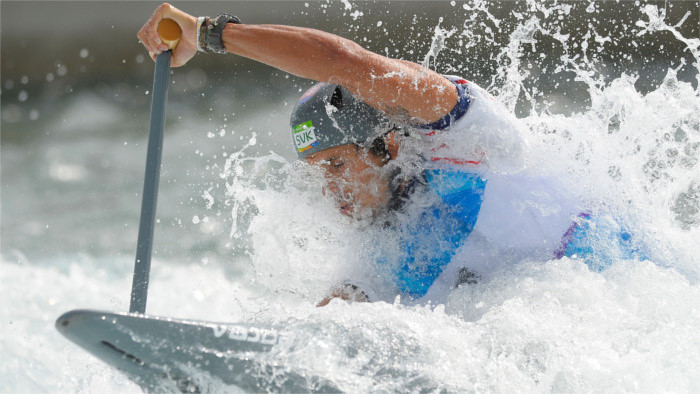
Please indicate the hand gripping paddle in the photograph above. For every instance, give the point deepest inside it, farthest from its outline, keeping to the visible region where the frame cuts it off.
(170, 33)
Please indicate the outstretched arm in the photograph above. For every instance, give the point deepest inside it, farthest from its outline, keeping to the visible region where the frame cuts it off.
(399, 88)
(402, 89)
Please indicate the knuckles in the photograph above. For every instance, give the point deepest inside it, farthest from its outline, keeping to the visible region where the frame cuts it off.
(164, 7)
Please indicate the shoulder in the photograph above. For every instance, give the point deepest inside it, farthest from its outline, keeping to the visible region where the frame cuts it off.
(465, 98)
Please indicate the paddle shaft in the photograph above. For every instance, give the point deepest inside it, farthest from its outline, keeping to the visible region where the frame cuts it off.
(144, 247)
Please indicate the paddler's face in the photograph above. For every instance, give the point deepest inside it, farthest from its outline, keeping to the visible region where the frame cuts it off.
(354, 179)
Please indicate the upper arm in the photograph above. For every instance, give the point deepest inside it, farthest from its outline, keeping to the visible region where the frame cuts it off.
(404, 90)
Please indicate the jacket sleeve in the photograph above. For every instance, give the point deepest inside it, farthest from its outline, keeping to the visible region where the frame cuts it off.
(478, 134)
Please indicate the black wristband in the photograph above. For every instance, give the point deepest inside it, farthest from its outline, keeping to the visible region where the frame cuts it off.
(214, 32)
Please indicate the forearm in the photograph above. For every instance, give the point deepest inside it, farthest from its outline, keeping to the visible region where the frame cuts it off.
(304, 52)
(400, 88)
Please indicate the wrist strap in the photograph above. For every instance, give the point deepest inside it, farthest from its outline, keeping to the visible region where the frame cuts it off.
(213, 35)
(201, 25)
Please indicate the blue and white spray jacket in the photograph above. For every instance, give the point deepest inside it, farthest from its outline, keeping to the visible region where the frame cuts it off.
(483, 211)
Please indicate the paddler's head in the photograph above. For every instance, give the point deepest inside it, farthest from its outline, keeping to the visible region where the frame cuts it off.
(351, 142)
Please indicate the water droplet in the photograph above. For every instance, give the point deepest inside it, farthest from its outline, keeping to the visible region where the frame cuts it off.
(34, 114)
(22, 96)
(24, 80)
(49, 77)
(140, 58)
(84, 53)
(195, 219)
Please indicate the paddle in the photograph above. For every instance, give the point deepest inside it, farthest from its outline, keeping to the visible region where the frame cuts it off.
(170, 33)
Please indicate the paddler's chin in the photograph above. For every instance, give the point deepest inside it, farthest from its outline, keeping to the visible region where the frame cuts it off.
(346, 209)
(359, 212)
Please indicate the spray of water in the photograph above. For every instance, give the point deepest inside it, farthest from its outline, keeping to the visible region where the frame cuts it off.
(540, 324)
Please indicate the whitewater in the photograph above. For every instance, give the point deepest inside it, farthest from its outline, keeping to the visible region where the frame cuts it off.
(245, 235)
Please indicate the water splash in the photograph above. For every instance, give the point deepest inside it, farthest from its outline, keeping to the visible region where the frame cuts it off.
(437, 44)
(628, 150)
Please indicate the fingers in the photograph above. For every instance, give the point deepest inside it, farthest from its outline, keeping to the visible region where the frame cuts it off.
(187, 46)
(152, 31)
(145, 39)
(148, 34)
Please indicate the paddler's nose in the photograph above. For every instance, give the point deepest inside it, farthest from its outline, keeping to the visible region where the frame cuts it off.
(331, 187)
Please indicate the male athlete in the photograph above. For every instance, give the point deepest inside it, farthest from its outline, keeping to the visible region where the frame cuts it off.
(433, 161)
